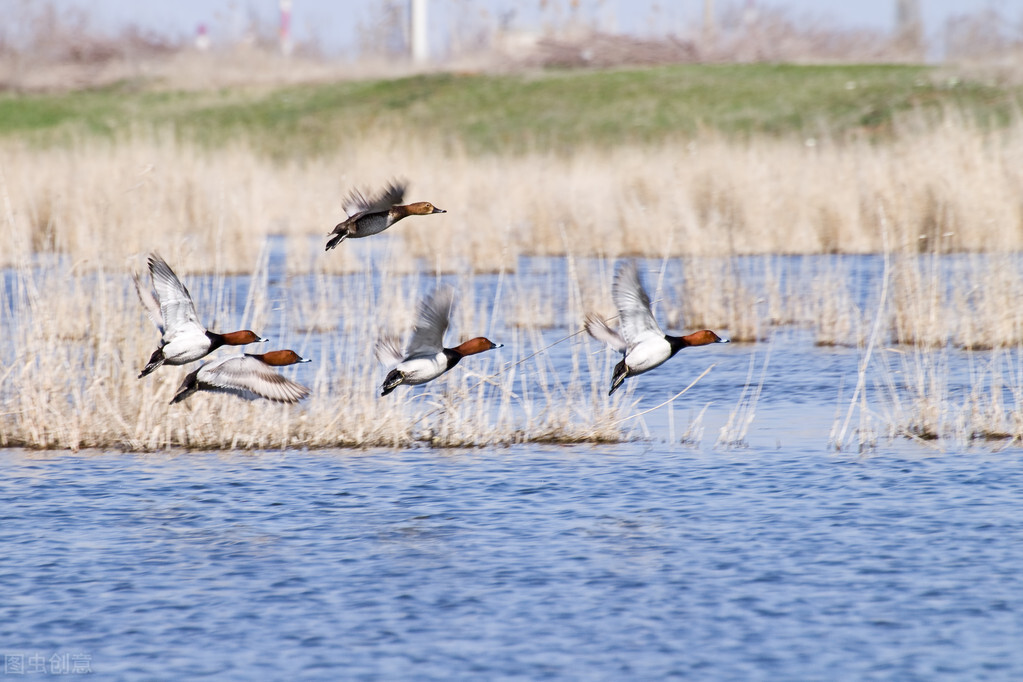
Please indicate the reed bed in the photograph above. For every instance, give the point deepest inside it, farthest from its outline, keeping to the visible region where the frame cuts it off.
(964, 301)
(942, 200)
(952, 373)
(947, 188)
(946, 398)
(77, 340)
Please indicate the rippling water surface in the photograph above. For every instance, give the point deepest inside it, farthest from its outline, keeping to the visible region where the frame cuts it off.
(778, 560)
(618, 562)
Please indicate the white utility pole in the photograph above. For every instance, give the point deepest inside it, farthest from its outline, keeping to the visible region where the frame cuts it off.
(420, 37)
(909, 25)
(709, 22)
(284, 36)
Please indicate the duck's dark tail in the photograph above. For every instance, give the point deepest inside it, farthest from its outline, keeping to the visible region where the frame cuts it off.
(335, 240)
(189, 386)
(621, 371)
(155, 360)
(394, 380)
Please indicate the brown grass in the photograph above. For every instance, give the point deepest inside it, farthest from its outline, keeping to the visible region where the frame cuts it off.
(951, 188)
(939, 396)
(77, 340)
(76, 220)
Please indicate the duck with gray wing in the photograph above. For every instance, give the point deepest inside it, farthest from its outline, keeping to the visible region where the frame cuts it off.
(249, 376)
(183, 339)
(426, 358)
(371, 216)
(638, 337)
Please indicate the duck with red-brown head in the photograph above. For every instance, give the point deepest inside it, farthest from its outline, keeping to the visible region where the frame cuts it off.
(639, 338)
(249, 376)
(367, 217)
(183, 339)
(426, 358)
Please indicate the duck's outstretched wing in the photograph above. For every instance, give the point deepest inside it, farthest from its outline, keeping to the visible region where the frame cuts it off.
(391, 195)
(356, 202)
(249, 377)
(431, 323)
(633, 304)
(176, 306)
(388, 351)
(149, 303)
(598, 328)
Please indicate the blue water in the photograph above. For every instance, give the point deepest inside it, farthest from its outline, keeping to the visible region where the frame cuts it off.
(632, 562)
(772, 559)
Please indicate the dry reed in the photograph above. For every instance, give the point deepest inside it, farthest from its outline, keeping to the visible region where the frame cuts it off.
(946, 188)
(76, 219)
(77, 338)
(954, 398)
(736, 428)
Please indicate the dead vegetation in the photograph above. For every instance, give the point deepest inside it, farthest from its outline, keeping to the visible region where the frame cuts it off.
(727, 219)
(947, 188)
(75, 337)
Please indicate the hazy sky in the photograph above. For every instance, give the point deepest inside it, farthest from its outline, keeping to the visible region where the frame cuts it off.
(335, 22)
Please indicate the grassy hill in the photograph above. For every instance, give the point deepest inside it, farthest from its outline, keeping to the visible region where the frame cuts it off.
(559, 109)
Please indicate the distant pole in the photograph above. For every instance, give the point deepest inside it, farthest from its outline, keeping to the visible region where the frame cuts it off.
(420, 38)
(908, 26)
(709, 22)
(202, 39)
(284, 37)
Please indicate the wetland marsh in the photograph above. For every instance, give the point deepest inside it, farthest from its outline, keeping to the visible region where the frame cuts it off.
(836, 493)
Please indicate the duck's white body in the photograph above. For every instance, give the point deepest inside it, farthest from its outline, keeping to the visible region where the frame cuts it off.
(246, 376)
(426, 358)
(182, 336)
(639, 338)
(183, 339)
(415, 369)
(648, 353)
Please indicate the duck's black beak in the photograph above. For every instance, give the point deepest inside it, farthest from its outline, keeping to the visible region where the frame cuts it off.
(438, 210)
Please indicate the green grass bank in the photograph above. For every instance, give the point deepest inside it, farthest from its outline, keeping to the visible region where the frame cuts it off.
(509, 113)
